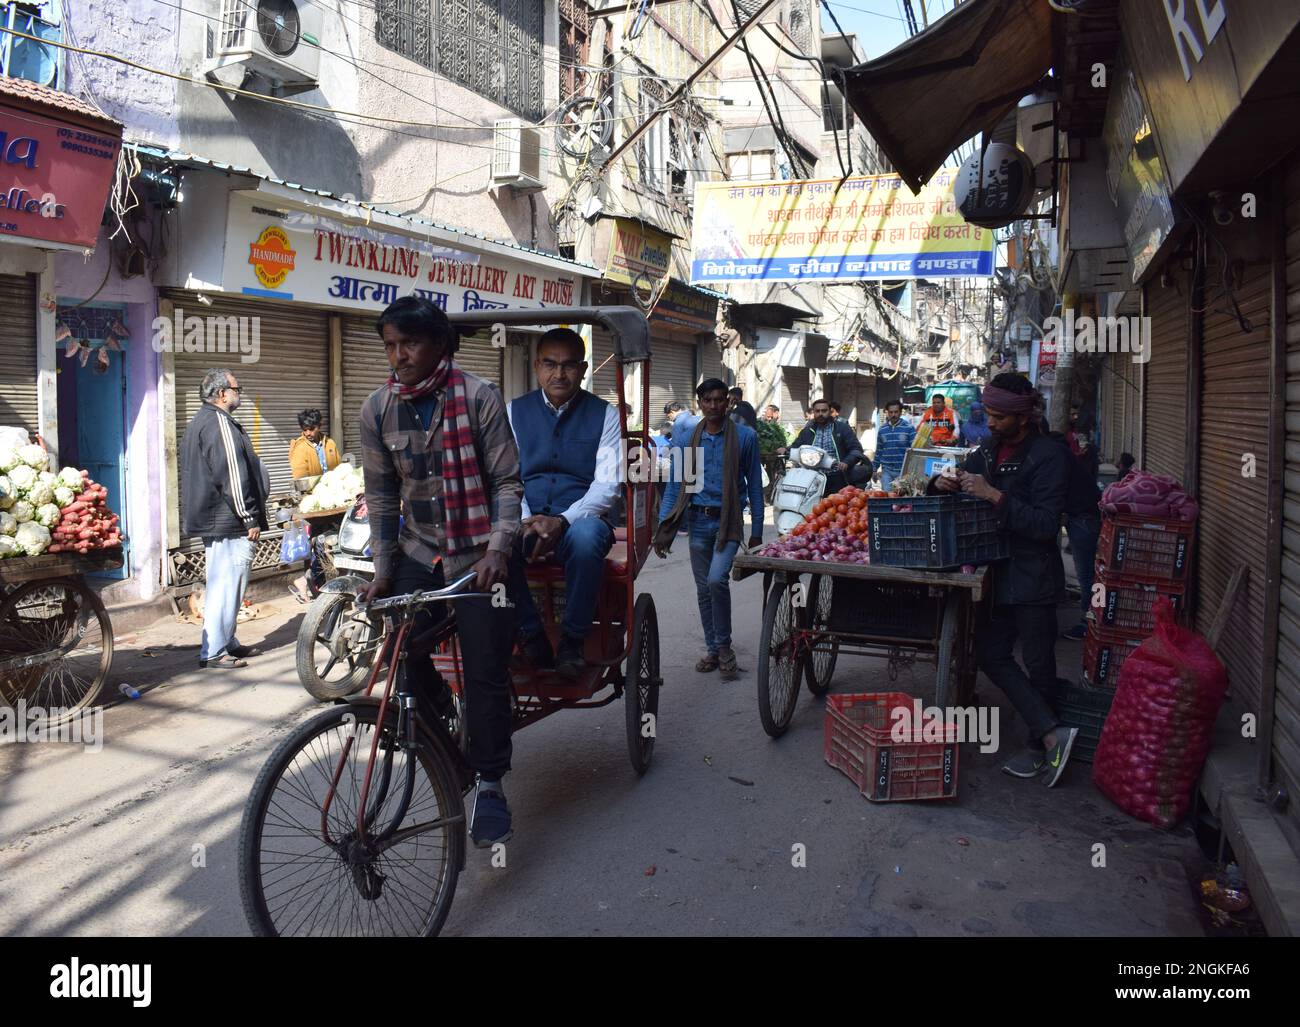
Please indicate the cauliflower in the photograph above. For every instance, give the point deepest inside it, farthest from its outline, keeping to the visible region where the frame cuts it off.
(8, 492)
(8, 547)
(48, 478)
(63, 496)
(71, 478)
(40, 495)
(23, 511)
(32, 538)
(47, 514)
(8, 460)
(34, 456)
(8, 523)
(23, 478)
(309, 503)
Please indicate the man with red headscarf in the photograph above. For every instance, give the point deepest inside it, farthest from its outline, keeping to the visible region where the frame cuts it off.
(1025, 475)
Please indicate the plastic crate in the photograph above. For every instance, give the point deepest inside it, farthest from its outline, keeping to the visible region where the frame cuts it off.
(1151, 549)
(1128, 605)
(1104, 653)
(1086, 709)
(858, 742)
(899, 611)
(935, 532)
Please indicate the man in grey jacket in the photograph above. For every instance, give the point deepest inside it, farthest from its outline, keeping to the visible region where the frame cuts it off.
(223, 489)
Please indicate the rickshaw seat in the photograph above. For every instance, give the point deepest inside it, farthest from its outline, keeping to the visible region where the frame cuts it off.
(616, 564)
(620, 534)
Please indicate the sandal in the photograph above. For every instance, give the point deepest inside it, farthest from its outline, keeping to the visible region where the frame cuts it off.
(223, 662)
(707, 663)
(727, 666)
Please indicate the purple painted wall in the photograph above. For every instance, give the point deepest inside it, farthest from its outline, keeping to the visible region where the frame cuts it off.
(77, 279)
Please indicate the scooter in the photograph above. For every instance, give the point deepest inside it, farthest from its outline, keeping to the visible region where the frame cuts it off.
(336, 643)
(798, 490)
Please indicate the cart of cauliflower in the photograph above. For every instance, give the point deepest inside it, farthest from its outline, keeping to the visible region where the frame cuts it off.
(32, 498)
(336, 490)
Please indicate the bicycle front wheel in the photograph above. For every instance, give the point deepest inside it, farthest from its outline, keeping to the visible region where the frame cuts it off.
(304, 870)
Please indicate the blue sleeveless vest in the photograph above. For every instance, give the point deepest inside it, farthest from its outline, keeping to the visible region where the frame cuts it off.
(557, 455)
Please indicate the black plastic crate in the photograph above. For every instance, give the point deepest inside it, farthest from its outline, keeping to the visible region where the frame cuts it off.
(868, 608)
(1086, 709)
(935, 532)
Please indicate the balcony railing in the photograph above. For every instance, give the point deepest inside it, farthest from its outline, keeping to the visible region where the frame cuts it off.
(26, 58)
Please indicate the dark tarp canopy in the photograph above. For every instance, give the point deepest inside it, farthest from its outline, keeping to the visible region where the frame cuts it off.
(943, 86)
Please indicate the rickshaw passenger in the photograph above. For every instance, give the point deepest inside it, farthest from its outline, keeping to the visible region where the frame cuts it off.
(569, 449)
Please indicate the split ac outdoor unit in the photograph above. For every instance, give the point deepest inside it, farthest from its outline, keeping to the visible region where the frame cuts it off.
(278, 40)
(516, 155)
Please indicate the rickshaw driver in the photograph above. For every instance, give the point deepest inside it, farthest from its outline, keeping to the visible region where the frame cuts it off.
(436, 444)
(570, 444)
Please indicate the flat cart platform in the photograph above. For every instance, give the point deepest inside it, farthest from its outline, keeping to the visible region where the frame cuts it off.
(56, 639)
(814, 610)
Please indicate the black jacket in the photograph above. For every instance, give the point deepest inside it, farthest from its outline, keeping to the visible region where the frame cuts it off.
(1035, 480)
(847, 447)
(1082, 495)
(223, 483)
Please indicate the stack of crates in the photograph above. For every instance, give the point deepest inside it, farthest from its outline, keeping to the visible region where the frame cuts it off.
(1139, 559)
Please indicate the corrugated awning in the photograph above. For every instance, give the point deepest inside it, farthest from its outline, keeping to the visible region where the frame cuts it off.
(926, 97)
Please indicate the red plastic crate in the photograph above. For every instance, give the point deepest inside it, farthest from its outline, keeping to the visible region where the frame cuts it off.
(858, 742)
(1127, 608)
(1104, 652)
(1151, 549)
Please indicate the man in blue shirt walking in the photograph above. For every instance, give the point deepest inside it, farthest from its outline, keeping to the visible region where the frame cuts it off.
(893, 439)
(728, 469)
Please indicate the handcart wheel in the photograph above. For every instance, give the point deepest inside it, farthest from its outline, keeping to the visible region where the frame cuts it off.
(780, 664)
(820, 662)
(946, 676)
(64, 625)
(641, 684)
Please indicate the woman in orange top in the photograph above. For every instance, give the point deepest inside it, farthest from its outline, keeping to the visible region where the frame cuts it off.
(942, 422)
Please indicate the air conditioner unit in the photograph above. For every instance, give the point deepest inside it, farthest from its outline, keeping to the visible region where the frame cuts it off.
(516, 155)
(278, 40)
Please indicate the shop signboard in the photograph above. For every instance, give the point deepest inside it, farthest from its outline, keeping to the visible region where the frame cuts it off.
(827, 230)
(300, 256)
(632, 253)
(54, 177)
(684, 307)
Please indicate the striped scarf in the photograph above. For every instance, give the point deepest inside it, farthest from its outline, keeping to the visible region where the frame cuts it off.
(467, 520)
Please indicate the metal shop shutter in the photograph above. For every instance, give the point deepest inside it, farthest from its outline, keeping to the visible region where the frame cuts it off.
(794, 396)
(479, 357)
(1286, 699)
(365, 368)
(1233, 524)
(604, 382)
(1164, 420)
(291, 375)
(18, 352)
(711, 365)
(1119, 405)
(672, 375)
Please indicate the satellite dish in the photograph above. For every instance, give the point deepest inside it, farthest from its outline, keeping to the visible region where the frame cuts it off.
(995, 187)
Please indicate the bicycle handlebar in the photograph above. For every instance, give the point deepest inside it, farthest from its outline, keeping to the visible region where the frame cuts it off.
(413, 600)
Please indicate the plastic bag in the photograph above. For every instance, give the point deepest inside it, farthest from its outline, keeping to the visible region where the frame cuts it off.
(295, 545)
(1160, 724)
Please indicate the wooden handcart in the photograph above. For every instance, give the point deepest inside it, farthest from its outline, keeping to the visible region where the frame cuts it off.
(813, 611)
(56, 639)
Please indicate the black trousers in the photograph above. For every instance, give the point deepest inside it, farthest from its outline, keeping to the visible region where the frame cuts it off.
(486, 639)
(1035, 627)
(859, 475)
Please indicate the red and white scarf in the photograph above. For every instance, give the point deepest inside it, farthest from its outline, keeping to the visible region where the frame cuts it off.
(464, 497)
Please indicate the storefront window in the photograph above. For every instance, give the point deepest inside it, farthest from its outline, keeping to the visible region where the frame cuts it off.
(26, 58)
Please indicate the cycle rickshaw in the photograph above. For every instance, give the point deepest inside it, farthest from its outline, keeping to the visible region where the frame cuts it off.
(357, 824)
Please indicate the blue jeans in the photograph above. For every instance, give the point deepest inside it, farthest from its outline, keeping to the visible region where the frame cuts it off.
(1083, 530)
(887, 478)
(228, 562)
(582, 551)
(712, 570)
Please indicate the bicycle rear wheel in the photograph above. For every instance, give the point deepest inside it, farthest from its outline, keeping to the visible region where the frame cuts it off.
(295, 881)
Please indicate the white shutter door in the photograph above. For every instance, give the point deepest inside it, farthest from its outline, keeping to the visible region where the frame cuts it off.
(18, 352)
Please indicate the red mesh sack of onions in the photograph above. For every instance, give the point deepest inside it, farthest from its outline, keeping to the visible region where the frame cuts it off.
(1158, 731)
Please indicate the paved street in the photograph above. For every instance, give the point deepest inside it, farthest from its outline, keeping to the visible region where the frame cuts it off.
(105, 843)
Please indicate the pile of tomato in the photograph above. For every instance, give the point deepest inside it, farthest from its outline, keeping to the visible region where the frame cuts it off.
(845, 509)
